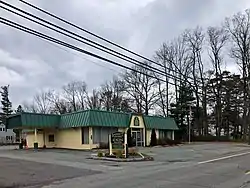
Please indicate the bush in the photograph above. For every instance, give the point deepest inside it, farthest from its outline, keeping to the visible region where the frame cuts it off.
(129, 138)
(99, 154)
(210, 138)
(119, 154)
(103, 145)
(132, 151)
(153, 140)
(167, 141)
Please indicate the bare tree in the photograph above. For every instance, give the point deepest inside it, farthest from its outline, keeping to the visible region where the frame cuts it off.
(75, 93)
(217, 38)
(60, 105)
(162, 57)
(141, 86)
(29, 107)
(81, 93)
(174, 59)
(112, 94)
(238, 27)
(93, 100)
(195, 41)
(41, 102)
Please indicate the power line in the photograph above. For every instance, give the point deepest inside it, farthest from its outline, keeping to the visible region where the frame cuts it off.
(148, 67)
(113, 70)
(54, 40)
(101, 38)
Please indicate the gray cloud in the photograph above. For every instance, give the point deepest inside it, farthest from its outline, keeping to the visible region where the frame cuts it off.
(29, 64)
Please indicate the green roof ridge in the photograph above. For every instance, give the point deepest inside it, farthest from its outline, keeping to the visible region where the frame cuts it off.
(90, 117)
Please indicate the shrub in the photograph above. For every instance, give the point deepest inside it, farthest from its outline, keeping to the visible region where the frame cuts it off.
(99, 154)
(210, 138)
(119, 154)
(153, 140)
(129, 138)
(132, 151)
(103, 145)
(167, 141)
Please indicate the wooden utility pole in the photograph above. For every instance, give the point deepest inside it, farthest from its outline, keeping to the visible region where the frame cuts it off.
(189, 124)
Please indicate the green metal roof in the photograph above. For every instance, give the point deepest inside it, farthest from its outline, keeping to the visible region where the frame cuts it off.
(109, 119)
(75, 119)
(156, 122)
(29, 120)
(85, 118)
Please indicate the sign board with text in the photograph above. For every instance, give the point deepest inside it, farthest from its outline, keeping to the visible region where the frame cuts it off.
(117, 140)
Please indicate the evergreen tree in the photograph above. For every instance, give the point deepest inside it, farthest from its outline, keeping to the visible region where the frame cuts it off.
(6, 103)
(180, 110)
(19, 109)
(153, 140)
(129, 138)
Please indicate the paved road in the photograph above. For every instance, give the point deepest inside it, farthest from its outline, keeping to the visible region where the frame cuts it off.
(228, 173)
(200, 165)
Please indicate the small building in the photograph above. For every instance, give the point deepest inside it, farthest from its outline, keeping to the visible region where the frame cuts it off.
(6, 135)
(88, 129)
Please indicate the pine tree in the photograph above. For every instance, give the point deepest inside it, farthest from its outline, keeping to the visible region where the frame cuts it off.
(181, 109)
(153, 141)
(129, 138)
(16, 131)
(19, 109)
(6, 103)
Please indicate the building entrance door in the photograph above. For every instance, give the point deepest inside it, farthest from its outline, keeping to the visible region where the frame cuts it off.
(137, 135)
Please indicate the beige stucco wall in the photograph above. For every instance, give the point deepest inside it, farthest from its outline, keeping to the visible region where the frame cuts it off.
(30, 138)
(141, 125)
(121, 129)
(148, 135)
(65, 138)
(46, 137)
(71, 138)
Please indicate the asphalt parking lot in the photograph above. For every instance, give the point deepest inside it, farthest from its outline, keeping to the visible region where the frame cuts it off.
(187, 165)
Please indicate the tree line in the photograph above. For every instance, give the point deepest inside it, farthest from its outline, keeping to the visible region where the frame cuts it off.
(193, 85)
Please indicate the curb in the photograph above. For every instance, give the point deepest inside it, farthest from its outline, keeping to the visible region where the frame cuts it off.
(94, 157)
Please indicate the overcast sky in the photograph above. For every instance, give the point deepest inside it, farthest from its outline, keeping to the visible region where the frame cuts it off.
(29, 64)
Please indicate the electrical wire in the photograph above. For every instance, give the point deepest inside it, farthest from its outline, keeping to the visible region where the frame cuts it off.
(54, 40)
(101, 38)
(148, 67)
(51, 39)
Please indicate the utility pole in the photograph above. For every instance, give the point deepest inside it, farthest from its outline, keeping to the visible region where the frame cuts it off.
(189, 124)
(248, 89)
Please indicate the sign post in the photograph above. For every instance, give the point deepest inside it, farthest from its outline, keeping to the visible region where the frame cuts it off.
(126, 144)
(110, 145)
(118, 140)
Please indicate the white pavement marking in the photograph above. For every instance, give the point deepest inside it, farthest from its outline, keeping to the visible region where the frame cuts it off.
(223, 158)
(247, 172)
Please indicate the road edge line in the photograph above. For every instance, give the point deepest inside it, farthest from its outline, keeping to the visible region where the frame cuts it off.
(223, 158)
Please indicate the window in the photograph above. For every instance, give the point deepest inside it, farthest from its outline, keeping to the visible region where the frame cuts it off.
(7, 137)
(101, 134)
(0, 128)
(3, 129)
(51, 138)
(85, 135)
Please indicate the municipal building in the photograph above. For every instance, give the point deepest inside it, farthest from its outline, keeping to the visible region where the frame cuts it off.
(88, 129)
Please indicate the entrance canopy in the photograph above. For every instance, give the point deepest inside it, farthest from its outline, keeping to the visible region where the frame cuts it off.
(32, 120)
